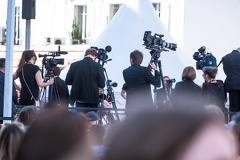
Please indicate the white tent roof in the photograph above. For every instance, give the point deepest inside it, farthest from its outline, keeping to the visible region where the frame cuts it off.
(125, 34)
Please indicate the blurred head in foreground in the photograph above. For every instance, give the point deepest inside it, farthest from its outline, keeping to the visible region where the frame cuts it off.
(172, 135)
(58, 134)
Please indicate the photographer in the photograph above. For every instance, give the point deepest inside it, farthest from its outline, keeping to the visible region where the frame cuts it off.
(86, 77)
(59, 90)
(163, 96)
(138, 80)
(231, 67)
(30, 78)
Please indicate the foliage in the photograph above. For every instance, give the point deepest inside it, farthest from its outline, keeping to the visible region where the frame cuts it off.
(76, 30)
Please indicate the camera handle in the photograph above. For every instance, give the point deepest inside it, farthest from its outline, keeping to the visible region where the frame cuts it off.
(110, 93)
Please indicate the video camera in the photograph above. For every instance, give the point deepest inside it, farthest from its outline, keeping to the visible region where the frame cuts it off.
(170, 81)
(102, 53)
(156, 42)
(52, 62)
(204, 58)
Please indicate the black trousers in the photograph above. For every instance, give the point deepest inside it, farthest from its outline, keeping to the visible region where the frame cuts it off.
(234, 98)
(87, 105)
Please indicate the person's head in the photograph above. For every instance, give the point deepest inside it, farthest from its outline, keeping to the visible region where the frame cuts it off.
(215, 112)
(93, 118)
(136, 57)
(56, 71)
(165, 79)
(92, 53)
(209, 73)
(104, 104)
(171, 135)
(188, 73)
(10, 139)
(2, 64)
(30, 56)
(28, 115)
(58, 134)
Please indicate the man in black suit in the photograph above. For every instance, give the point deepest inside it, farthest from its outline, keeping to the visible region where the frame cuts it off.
(14, 93)
(138, 80)
(231, 67)
(87, 78)
(58, 90)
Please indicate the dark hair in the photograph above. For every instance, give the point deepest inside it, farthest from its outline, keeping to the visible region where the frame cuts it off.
(28, 114)
(210, 71)
(29, 54)
(10, 139)
(155, 135)
(136, 57)
(56, 71)
(189, 73)
(54, 136)
(26, 56)
(91, 51)
(165, 76)
(2, 62)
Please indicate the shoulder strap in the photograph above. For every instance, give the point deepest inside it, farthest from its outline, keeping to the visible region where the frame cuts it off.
(27, 86)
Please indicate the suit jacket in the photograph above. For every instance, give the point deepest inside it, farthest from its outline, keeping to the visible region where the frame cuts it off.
(231, 67)
(138, 80)
(59, 91)
(85, 76)
(186, 93)
(14, 95)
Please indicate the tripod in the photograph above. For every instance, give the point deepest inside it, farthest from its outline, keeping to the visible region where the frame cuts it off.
(155, 55)
(110, 94)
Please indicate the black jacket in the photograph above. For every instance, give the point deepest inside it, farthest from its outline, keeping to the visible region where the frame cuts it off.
(58, 92)
(14, 95)
(85, 76)
(231, 67)
(186, 93)
(138, 80)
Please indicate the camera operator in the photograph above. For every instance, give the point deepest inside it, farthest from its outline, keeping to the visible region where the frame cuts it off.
(86, 77)
(30, 78)
(59, 90)
(138, 80)
(231, 67)
(164, 96)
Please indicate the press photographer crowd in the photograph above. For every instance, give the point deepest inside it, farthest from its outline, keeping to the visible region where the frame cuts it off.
(187, 122)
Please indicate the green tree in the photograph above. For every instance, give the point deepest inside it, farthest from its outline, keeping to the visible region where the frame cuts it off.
(76, 30)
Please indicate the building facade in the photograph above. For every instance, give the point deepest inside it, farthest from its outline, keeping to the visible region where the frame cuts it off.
(56, 20)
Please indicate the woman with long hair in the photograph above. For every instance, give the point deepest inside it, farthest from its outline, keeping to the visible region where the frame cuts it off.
(30, 78)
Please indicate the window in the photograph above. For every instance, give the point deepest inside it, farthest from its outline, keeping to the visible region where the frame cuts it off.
(81, 17)
(157, 7)
(17, 26)
(113, 10)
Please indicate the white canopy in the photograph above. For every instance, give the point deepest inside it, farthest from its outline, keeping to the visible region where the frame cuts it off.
(125, 34)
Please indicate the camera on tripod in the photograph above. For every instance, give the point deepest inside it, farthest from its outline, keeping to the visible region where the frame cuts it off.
(204, 58)
(156, 42)
(52, 62)
(102, 53)
(171, 81)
